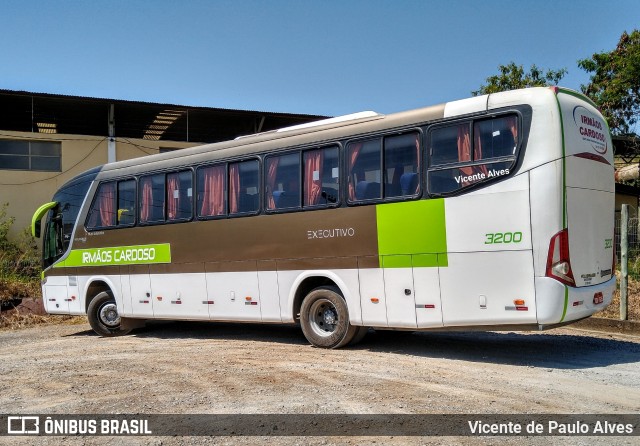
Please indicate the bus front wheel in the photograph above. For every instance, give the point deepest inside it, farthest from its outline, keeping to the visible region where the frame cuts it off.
(324, 318)
(104, 317)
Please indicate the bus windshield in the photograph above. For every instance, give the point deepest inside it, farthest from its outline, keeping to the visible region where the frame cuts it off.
(61, 219)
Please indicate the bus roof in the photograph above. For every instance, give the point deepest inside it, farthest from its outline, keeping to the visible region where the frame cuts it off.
(323, 131)
(319, 132)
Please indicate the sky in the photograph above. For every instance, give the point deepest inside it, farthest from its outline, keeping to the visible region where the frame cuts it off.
(296, 56)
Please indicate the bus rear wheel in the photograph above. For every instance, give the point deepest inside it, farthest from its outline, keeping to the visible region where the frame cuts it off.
(324, 318)
(104, 317)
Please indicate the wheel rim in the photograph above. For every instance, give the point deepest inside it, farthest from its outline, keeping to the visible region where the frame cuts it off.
(108, 315)
(323, 317)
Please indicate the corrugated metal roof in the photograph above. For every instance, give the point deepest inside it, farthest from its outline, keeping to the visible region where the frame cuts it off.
(24, 111)
(161, 104)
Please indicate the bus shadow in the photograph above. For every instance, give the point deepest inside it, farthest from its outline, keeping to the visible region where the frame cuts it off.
(545, 350)
(278, 333)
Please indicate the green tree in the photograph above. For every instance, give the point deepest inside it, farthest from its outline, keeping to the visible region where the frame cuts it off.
(513, 76)
(615, 83)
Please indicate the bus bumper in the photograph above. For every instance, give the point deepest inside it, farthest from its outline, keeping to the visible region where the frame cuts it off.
(557, 303)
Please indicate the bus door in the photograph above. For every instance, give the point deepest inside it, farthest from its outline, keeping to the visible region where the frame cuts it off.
(140, 286)
(232, 289)
(179, 291)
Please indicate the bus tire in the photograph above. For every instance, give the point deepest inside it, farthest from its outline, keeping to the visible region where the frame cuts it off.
(103, 315)
(324, 318)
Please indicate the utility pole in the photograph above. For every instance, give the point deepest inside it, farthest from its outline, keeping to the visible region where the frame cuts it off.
(111, 140)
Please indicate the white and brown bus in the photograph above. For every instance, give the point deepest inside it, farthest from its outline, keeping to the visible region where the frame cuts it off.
(493, 212)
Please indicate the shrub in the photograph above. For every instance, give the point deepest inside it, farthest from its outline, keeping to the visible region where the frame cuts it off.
(19, 261)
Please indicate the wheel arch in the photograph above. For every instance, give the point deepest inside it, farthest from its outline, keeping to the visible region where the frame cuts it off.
(309, 280)
(97, 285)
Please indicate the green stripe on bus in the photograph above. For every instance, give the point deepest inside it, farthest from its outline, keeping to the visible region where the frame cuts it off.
(577, 95)
(118, 255)
(566, 303)
(412, 234)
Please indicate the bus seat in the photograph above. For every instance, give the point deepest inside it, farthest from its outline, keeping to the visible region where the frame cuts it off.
(392, 190)
(409, 183)
(248, 203)
(276, 198)
(361, 189)
(366, 190)
(373, 191)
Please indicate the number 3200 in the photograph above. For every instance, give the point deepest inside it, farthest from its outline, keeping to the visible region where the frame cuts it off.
(502, 237)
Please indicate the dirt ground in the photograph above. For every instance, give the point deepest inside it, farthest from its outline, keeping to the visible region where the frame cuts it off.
(179, 367)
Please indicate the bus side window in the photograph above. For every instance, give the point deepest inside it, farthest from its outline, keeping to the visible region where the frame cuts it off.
(495, 138)
(152, 194)
(321, 177)
(451, 145)
(460, 157)
(212, 190)
(179, 195)
(282, 175)
(244, 187)
(401, 165)
(364, 166)
(103, 211)
(126, 203)
(444, 145)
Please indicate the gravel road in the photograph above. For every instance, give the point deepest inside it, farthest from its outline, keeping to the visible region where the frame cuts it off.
(179, 367)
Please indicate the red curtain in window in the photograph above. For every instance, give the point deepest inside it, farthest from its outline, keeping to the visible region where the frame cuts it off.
(234, 188)
(464, 148)
(313, 187)
(173, 196)
(353, 157)
(464, 151)
(272, 172)
(107, 199)
(146, 200)
(213, 196)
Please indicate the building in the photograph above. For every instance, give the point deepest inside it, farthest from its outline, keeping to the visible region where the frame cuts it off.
(47, 139)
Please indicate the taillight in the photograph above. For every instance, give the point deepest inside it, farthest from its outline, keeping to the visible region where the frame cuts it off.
(558, 263)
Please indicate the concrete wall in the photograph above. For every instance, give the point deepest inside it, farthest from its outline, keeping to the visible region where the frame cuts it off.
(25, 191)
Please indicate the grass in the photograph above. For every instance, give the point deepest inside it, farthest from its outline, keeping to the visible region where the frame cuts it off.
(15, 320)
(17, 288)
